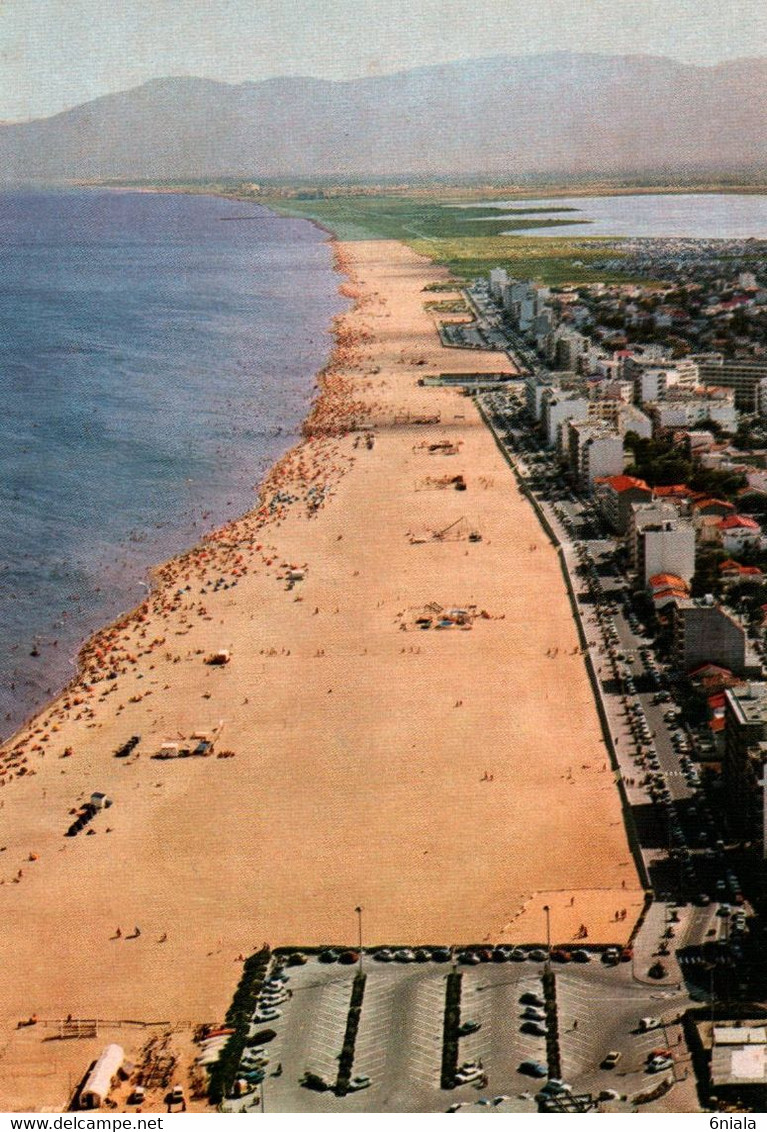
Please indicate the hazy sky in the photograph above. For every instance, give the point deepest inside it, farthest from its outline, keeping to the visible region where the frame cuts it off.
(57, 53)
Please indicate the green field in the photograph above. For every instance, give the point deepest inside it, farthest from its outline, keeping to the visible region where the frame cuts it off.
(469, 245)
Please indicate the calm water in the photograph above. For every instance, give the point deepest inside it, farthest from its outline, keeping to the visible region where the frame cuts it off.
(703, 216)
(157, 353)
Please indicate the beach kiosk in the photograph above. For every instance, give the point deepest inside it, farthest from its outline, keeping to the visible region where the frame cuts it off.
(99, 1081)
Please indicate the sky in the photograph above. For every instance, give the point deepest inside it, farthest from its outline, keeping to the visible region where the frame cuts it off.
(55, 54)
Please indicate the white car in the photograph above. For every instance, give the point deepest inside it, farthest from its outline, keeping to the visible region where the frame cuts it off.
(646, 1024)
(658, 1064)
(469, 1077)
(361, 1081)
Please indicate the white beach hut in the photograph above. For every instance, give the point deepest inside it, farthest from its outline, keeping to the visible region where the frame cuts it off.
(99, 1080)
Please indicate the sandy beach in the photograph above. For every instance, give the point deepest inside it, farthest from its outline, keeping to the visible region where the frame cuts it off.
(451, 780)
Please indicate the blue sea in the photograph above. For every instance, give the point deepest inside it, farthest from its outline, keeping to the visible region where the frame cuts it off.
(157, 354)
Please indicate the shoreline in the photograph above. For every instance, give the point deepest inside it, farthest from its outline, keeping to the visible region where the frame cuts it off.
(63, 668)
(341, 715)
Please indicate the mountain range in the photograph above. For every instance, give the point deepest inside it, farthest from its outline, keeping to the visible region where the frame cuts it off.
(503, 117)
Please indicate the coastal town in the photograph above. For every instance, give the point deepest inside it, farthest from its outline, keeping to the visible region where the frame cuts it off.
(641, 456)
(383, 712)
(519, 444)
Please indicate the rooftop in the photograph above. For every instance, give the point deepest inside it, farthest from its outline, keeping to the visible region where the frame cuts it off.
(739, 1055)
(673, 491)
(749, 702)
(737, 522)
(623, 483)
(671, 581)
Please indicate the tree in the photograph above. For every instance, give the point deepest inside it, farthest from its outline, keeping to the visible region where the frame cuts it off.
(719, 484)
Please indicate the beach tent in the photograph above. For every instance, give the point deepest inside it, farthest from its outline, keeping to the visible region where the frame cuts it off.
(99, 1080)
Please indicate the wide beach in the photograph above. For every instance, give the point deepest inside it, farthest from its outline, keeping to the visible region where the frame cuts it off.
(452, 781)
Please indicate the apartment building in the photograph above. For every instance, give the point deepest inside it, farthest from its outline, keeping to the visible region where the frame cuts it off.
(705, 633)
(743, 765)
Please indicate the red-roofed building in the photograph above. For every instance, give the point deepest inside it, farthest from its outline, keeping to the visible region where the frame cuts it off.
(738, 532)
(713, 679)
(663, 581)
(662, 598)
(732, 571)
(673, 491)
(614, 496)
(708, 506)
(666, 589)
(733, 522)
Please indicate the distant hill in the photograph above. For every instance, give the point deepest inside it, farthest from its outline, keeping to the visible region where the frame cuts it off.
(557, 113)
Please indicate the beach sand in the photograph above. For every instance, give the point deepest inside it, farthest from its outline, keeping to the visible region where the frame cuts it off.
(450, 781)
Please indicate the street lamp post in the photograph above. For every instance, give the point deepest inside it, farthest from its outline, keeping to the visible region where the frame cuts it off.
(358, 910)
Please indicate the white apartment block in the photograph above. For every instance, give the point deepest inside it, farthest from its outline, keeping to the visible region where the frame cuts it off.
(593, 450)
(499, 278)
(558, 407)
(668, 548)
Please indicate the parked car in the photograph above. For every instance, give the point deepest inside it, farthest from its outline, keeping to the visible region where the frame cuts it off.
(646, 1024)
(659, 1064)
(361, 1081)
(553, 1088)
(611, 1059)
(532, 1069)
(534, 1013)
(536, 1028)
(268, 1014)
(469, 1027)
(469, 1076)
(530, 998)
(296, 959)
(315, 1082)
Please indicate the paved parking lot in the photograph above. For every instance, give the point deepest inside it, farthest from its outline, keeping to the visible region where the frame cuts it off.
(399, 1041)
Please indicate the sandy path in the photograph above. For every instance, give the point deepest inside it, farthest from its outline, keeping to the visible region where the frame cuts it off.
(452, 782)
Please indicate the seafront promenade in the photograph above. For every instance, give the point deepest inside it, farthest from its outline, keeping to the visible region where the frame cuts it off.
(404, 722)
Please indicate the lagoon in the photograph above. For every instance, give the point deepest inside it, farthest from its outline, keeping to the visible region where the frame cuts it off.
(700, 216)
